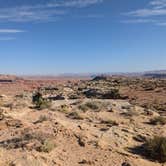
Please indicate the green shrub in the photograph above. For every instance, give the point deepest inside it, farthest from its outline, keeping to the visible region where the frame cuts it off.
(156, 148)
(40, 102)
(37, 97)
(158, 120)
(43, 104)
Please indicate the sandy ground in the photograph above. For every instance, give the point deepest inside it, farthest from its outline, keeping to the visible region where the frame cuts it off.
(79, 141)
(68, 133)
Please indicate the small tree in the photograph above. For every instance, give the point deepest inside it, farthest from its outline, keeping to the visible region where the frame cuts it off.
(39, 101)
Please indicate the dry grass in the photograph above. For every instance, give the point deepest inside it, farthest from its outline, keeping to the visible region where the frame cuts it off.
(75, 115)
(48, 146)
(156, 148)
(109, 122)
(158, 121)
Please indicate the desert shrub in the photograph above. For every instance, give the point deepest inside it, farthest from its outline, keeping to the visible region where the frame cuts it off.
(127, 107)
(75, 115)
(37, 97)
(40, 102)
(159, 106)
(43, 104)
(64, 108)
(158, 120)
(156, 148)
(83, 107)
(92, 105)
(112, 94)
(47, 146)
(39, 141)
(110, 122)
(130, 113)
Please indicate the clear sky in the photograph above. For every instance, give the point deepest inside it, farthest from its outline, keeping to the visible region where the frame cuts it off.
(82, 36)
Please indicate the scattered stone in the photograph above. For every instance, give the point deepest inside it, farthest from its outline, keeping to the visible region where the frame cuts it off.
(81, 141)
(126, 164)
(14, 123)
(139, 138)
(58, 97)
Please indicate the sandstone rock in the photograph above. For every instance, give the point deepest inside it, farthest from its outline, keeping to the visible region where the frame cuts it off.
(3, 96)
(102, 94)
(58, 97)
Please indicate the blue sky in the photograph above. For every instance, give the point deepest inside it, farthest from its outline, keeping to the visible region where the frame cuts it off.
(82, 36)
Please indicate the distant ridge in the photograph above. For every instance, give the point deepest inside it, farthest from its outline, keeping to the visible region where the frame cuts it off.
(151, 74)
(156, 74)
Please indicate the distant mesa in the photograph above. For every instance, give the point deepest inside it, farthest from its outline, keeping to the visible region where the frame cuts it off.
(101, 77)
(8, 78)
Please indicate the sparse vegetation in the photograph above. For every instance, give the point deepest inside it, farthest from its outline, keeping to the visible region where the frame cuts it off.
(112, 94)
(93, 105)
(47, 146)
(158, 120)
(63, 108)
(84, 117)
(37, 141)
(83, 107)
(37, 98)
(130, 113)
(75, 115)
(40, 102)
(109, 122)
(156, 148)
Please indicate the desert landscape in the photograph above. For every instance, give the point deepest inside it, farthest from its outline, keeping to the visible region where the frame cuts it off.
(100, 121)
(82, 83)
